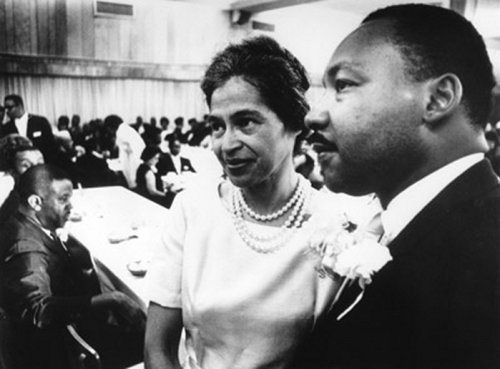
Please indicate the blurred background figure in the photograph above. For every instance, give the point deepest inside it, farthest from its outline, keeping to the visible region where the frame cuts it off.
(34, 127)
(149, 183)
(17, 154)
(171, 167)
(130, 146)
(493, 153)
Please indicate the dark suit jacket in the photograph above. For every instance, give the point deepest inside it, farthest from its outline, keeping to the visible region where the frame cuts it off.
(39, 132)
(437, 304)
(165, 165)
(43, 288)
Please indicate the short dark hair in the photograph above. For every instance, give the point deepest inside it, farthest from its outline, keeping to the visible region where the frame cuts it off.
(278, 76)
(37, 179)
(179, 120)
(18, 100)
(149, 152)
(113, 121)
(435, 41)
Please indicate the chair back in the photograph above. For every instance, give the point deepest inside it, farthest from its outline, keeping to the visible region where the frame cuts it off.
(81, 354)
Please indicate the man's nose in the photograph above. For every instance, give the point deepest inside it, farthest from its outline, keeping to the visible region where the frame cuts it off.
(317, 119)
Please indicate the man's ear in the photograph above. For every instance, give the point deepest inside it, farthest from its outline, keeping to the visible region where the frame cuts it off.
(444, 95)
(35, 202)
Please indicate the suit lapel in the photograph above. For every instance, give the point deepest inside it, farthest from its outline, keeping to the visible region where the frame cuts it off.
(50, 243)
(477, 180)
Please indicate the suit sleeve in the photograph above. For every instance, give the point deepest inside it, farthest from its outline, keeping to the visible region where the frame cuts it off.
(27, 283)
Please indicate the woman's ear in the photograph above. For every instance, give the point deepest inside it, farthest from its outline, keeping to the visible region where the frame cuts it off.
(444, 95)
(35, 202)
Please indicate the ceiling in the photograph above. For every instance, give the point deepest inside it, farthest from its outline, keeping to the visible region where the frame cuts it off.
(354, 6)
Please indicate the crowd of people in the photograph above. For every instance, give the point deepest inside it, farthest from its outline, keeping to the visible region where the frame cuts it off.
(257, 268)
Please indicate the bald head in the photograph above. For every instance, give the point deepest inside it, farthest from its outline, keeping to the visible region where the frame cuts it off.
(45, 193)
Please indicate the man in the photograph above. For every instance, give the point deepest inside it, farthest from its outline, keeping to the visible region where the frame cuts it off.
(173, 163)
(47, 283)
(407, 96)
(197, 133)
(34, 127)
(177, 132)
(130, 146)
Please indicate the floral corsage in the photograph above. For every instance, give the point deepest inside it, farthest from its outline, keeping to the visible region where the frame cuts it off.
(345, 251)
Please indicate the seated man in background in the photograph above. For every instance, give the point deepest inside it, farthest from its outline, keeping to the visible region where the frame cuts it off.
(47, 284)
(173, 163)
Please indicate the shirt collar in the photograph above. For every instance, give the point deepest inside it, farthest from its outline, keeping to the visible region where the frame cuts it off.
(406, 205)
(23, 118)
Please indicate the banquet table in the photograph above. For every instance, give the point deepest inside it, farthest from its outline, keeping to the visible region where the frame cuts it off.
(119, 228)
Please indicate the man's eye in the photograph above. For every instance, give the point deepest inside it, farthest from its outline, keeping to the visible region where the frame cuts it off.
(341, 85)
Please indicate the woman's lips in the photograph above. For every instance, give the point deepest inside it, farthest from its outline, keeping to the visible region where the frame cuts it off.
(236, 164)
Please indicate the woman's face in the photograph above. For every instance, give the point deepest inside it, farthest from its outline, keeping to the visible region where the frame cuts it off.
(248, 138)
(26, 159)
(154, 160)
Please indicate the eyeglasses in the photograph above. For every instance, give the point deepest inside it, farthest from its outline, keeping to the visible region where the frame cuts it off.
(8, 107)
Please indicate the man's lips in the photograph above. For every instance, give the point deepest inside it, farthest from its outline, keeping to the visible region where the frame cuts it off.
(321, 144)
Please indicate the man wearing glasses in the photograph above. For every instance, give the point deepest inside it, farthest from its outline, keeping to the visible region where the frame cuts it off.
(34, 127)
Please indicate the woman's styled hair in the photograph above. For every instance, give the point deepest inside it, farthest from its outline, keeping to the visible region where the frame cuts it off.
(10, 145)
(278, 76)
(149, 152)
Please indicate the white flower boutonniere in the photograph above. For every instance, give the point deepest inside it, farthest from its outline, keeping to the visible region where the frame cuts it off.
(346, 253)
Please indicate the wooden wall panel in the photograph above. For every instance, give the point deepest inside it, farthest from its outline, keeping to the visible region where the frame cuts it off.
(61, 38)
(3, 26)
(42, 27)
(74, 28)
(160, 32)
(9, 25)
(88, 30)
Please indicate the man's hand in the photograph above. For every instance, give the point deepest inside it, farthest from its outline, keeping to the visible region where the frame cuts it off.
(122, 304)
(131, 312)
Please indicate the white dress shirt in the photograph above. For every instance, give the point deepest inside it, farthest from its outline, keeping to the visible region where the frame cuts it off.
(406, 205)
(176, 160)
(22, 124)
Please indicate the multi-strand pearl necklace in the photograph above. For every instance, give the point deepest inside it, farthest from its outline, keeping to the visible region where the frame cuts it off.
(273, 242)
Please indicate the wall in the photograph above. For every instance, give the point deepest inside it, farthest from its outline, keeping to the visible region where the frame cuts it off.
(160, 52)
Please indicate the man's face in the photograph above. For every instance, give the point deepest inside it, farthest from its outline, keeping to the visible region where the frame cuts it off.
(13, 111)
(56, 205)
(175, 148)
(370, 117)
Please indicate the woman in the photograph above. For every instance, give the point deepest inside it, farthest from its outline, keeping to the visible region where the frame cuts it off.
(18, 154)
(234, 270)
(148, 183)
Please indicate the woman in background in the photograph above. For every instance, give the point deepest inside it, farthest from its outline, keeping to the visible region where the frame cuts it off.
(17, 155)
(148, 183)
(233, 270)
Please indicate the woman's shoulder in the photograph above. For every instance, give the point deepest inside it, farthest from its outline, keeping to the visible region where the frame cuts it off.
(202, 192)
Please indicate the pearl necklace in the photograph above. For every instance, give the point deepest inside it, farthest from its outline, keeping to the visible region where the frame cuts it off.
(276, 240)
(272, 216)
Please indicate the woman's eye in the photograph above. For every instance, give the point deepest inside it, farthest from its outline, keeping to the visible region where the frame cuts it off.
(244, 122)
(341, 85)
(216, 126)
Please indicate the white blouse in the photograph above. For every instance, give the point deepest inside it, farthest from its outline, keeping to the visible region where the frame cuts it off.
(241, 309)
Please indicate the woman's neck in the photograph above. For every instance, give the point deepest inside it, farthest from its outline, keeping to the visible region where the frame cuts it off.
(272, 193)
